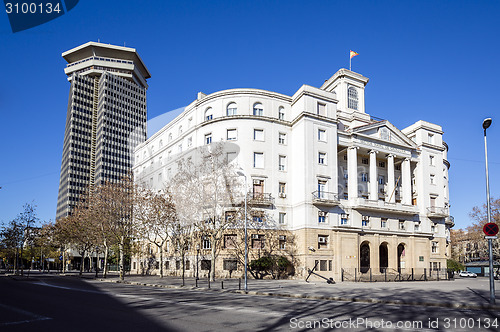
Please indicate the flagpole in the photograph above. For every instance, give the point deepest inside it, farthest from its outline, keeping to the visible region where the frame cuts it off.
(350, 59)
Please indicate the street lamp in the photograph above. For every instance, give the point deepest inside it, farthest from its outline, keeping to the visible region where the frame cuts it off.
(486, 125)
(240, 173)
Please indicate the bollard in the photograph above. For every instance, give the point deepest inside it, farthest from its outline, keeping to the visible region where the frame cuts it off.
(370, 275)
(196, 282)
(222, 284)
(355, 275)
(208, 282)
(239, 284)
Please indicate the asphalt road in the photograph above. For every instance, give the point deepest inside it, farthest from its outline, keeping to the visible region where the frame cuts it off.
(52, 303)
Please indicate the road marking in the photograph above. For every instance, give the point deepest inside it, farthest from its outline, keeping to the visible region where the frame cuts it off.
(34, 316)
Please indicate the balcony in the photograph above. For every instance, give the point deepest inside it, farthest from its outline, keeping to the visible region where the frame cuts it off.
(437, 212)
(382, 206)
(325, 198)
(450, 221)
(261, 199)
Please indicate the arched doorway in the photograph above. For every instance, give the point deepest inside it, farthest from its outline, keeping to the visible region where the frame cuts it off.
(401, 255)
(383, 257)
(364, 257)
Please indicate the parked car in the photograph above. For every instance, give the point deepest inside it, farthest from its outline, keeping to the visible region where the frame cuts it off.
(467, 274)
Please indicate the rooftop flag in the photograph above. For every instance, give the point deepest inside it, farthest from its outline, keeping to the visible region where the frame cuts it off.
(352, 55)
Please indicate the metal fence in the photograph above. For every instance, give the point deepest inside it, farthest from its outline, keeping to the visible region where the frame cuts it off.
(388, 274)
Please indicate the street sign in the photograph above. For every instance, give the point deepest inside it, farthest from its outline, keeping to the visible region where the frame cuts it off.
(490, 229)
(491, 237)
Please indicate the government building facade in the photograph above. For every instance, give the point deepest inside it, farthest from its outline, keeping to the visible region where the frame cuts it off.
(359, 195)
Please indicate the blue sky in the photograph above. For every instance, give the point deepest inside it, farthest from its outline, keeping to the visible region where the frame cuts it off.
(431, 60)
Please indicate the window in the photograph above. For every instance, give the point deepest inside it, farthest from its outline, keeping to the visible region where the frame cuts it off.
(230, 216)
(258, 160)
(258, 109)
(322, 241)
(231, 135)
(417, 227)
(179, 148)
(364, 177)
(232, 109)
(282, 217)
(208, 114)
(321, 217)
(208, 138)
(160, 178)
(420, 258)
(177, 265)
(169, 155)
(258, 134)
(282, 189)
(352, 98)
(401, 224)
(282, 241)
(282, 163)
(434, 248)
(433, 228)
(431, 161)
(344, 219)
(180, 130)
(230, 264)
(205, 265)
(281, 138)
(321, 188)
(383, 223)
(397, 167)
(187, 265)
(322, 135)
(189, 142)
(207, 244)
(281, 113)
(430, 138)
(381, 164)
(169, 137)
(161, 143)
(321, 109)
(258, 241)
(258, 219)
(364, 161)
(432, 179)
(365, 221)
(381, 179)
(230, 241)
(322, 158)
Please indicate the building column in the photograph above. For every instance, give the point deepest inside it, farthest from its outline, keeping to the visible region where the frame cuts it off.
(352, 172)
(391, 195)
(373, 176)
(406, 181)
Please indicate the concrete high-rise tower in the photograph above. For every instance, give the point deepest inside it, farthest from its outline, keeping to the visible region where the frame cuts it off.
(106, 118)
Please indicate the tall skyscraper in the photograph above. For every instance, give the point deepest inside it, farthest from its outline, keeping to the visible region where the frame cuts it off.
(106, 118)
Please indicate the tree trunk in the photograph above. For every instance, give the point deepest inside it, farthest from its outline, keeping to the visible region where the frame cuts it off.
(161, 261)
(64, 261)
(122, 258)
(82, 263)
(183, 266)
(106, 252)
(212, 262)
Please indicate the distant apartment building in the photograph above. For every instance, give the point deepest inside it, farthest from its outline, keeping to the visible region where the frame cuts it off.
(106, 118)
(358, 193)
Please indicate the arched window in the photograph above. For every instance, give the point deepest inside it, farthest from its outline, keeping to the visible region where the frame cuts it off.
(352, 100)
(170, 137)
(161, 143)
(180, 130)
(281, 113)
(209, 114)
(258, 109)
(232, 109)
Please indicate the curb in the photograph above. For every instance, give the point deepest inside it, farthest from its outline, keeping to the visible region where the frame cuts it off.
(315, 297)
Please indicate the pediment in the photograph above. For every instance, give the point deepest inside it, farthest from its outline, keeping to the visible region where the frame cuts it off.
(385, 131)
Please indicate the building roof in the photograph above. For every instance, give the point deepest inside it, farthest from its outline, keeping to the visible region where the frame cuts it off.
(106, 50)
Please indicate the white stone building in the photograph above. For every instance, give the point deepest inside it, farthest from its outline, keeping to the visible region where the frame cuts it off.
(357, 192)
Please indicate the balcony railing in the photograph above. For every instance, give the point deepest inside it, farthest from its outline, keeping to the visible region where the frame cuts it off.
(379, 205)
(325, 198)
(260, 198)
(435, 211)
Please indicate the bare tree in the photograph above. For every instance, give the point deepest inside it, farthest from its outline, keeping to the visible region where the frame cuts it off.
(11, 238)
(155, 219)
(204, 188)
(27, 219)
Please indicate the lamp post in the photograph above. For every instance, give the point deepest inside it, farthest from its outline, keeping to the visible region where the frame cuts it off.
(486, 125)
(240, 173)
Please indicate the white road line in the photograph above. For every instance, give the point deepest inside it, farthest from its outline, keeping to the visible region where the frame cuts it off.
(34, 316)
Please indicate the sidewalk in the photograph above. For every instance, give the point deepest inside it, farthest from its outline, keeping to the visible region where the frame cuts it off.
(458, 293)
